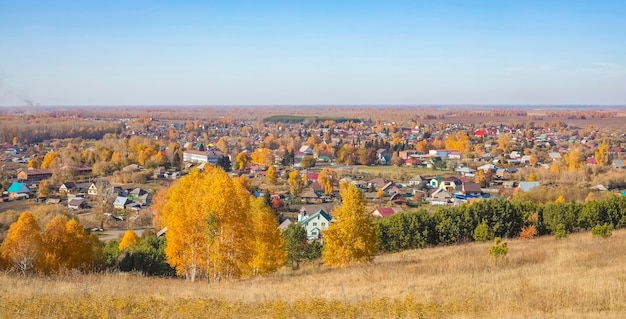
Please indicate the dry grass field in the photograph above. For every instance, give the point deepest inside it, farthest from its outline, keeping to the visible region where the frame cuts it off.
(575, 277)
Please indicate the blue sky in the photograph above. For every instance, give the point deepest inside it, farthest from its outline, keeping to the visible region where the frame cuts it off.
(312, 52)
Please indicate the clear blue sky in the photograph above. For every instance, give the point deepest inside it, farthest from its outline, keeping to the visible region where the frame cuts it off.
(312, 52)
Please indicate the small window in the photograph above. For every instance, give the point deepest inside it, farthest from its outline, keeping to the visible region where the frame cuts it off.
(314, 224)
(323, 224)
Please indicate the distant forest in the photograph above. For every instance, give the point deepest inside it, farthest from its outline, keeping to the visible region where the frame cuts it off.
(301, 119)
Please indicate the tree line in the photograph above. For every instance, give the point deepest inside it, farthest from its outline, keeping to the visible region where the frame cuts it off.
(503, 218)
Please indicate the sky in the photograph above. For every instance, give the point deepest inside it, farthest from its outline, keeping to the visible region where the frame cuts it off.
(124, 53)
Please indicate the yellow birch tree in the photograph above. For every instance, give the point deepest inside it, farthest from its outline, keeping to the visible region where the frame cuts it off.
(269, 245)
(23, 243)
(271, 175)
(129, 240)
(352, 237)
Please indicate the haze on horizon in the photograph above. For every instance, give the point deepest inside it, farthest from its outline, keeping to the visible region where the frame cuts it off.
(313, 53)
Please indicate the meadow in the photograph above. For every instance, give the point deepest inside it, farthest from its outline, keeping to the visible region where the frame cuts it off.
(575, 277)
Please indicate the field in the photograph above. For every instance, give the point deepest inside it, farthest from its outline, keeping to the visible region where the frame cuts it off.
(575, 277)
(401, 172)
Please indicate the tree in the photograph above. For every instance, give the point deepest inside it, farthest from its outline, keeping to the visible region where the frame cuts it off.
(263, 157)
(602, 154)
(482, 232)
(269, 246)
(573, 159)
(504, 142)
(23, 243)
(271, 175)
(307, 161)
(353, 237)
(129, 240)
(103, 202)
(222, 145)
(326, 179)
(532, 177)
(49, 158)
(44, 189)
(224, 162)
(295, 243)
(295, 183)
(242, 160)
(396, 160)
(208, 234)
(480, 178)
(533, 160)
(34, 163)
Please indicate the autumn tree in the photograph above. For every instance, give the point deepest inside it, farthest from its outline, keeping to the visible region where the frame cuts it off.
(23, 243)
(327, 178)
(43, 190)
(103, 202)
(295, 183)
(49, 158)
(34, 163)
(602, 153)
(222, 145)
(129, 240)
(307, 161)
(352, 238)
(573, 159)
(242, 160)
(271, 175)
(269, 246)
(263, 157)
(208, 234)
(504, 142)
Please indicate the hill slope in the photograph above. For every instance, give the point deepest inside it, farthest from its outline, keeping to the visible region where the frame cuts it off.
(576, 277)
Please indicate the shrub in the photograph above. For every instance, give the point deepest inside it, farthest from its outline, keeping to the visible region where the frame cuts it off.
(482, 232)
(499, 250)
(528, 232)
(560, 231)
(604, 231)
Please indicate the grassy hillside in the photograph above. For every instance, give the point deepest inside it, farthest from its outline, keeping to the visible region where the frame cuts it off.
(575, 277)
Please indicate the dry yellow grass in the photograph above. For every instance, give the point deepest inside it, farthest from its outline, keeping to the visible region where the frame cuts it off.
(576, 277)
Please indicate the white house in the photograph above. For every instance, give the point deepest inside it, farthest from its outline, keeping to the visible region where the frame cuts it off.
(315, 223)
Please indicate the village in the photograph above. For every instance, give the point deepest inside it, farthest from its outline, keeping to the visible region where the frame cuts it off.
(109, 183)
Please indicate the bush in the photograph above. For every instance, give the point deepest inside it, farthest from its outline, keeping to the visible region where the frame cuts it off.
(560, 231)
(604, 231)
(528, 232)
(499, 250)
(482, 232)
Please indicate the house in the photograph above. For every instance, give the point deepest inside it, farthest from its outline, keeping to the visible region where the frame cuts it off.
(285, 224)
(383, 156)
(440, 197)
(310, 196)
(315, 223)
(471, 189)
(406, 154)
(382, 212)
(417, 180)
(592, 161)
(121, 202)
(76, 203)
(527, 186)
(34, 175)
(18, 191)
(555, 156)
(618, 163)
(306, 150)
(397, 199)
(466, 171)
(67, 188)
(377, 183)
(210, 157)
(434, 183)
